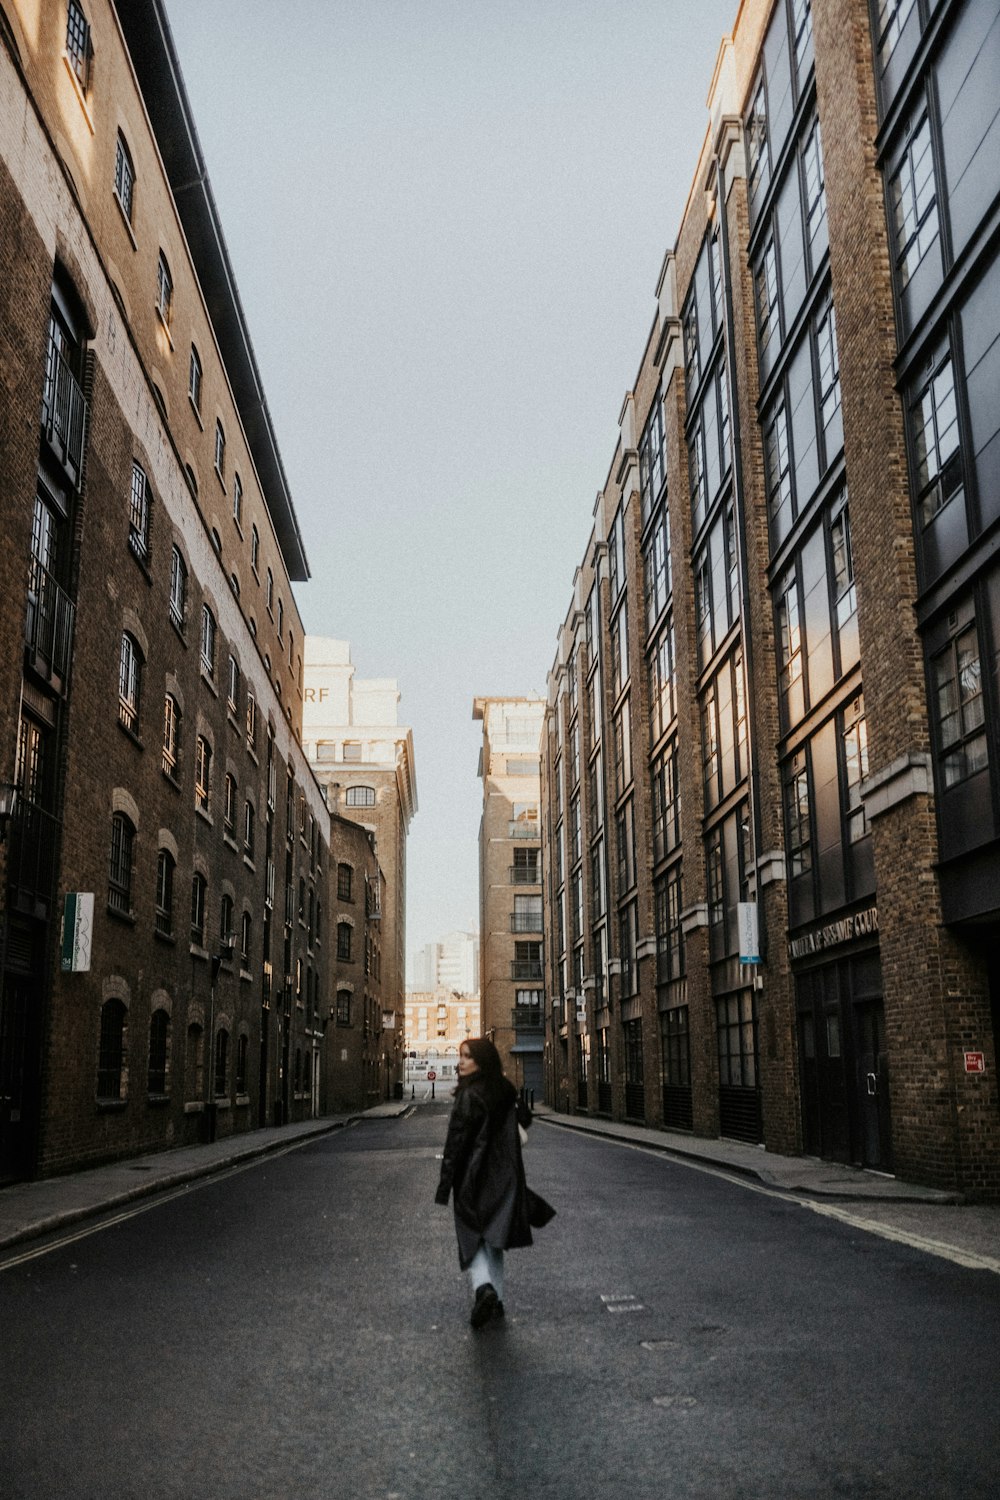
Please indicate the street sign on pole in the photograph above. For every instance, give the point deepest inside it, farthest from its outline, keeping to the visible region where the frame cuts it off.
(431, 1075)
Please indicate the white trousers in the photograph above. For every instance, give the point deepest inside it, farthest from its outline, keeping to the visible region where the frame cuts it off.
(487, 1265)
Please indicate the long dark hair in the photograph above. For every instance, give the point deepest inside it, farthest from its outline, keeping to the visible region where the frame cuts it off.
(490, 1065)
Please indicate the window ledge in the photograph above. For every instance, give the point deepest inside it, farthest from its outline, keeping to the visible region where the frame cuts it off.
(169, 777)
(194, 1107)
(140, 561)
(208, 681)
(125, 220)
(230, 842)
(78, 90)
(197, 414)
(206, 816)
(165, 937)
(111, 1106)
(157, 1101)
(130, 734)
(221, 478)
(126, 917)
(245, 976)
(233, 721)
(198, 952)
(242, 1101)
(248, 861)
(164, 325)
(178, 627)
(222, 1103)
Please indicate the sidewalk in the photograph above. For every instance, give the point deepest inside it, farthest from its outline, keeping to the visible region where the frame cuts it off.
(31, 1209)
(790, 1174)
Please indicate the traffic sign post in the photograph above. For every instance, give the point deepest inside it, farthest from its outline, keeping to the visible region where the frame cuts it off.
(431, 1076)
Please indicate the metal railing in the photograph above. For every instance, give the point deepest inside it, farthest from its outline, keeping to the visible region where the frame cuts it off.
(525, 874)
(31, 853)
(48, 626)
(525, 968)
(526, 921)
(519, 830)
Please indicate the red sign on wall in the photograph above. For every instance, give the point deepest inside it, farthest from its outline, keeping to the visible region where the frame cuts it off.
(975, 1062)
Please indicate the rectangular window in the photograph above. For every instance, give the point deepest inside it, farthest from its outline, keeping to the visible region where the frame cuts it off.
(79, 48)
(171, 734)
(829, 365)
(238, 501)
(778, 469)
(138, 521)
(892, 17)
(958, 707)
(913, 203)
(129, 670)
(207, 641)
(766, 293)
(124, 178)
(202, 773)
(233, 686)
(758, 158)
(815, 184)
(164, 290)
(855, 741)
(220, 451)
(934, 421)
(797, 820)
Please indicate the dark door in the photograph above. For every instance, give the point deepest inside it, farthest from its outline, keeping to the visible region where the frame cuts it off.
(872, 1090)
(18, 1097)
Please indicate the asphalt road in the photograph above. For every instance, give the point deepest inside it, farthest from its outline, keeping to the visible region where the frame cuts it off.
(298, 1329)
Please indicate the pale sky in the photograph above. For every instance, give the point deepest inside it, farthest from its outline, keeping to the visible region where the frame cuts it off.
(447, 219)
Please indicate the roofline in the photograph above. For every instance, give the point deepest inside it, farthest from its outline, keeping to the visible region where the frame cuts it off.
(147, 34)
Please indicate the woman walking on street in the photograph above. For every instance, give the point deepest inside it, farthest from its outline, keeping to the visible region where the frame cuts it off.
(482, 1165)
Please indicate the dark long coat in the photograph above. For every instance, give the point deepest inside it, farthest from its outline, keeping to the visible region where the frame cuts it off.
(482, 1165)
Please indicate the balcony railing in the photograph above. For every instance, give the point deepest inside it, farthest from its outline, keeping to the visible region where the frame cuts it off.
(31, 847)
(525, 875)
(64, 415)
(528, 1018)
(526, 921)
(48, 626)
(526, 968)
(520, 830)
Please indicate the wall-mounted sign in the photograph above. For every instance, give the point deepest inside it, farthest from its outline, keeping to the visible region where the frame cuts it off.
(975, 1062)
(77, 931)
(860, 924)
(746, 917)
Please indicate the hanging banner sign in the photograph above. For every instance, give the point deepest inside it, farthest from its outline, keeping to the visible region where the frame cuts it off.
(746, 917)
(77, 931)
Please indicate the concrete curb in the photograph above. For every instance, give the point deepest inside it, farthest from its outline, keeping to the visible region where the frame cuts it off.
(163, 1184)
(900, 1193)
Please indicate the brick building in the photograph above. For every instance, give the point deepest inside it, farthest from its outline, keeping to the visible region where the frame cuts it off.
(510, 885)
(358, 1053)
(166, 818)
(437, 1023)
(363, 759)
(773, 729)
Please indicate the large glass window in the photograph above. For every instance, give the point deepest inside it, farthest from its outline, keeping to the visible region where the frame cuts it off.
(798, 834)
(913, 202)
(958, 705)
(934, 419)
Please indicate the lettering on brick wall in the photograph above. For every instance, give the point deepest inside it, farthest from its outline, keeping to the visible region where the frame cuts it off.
(861, 924)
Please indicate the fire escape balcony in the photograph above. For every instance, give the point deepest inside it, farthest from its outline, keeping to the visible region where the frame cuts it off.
(31, 855)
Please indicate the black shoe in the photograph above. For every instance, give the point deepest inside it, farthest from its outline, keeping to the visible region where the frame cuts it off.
(485, 1305)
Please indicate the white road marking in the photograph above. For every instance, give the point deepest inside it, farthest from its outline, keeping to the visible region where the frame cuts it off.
(970, 1259)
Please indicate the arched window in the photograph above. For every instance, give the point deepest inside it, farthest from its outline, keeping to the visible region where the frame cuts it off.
(221, 1062)
(345, 933)
(111, 1054)
(207, 641)
(164, 290)
(199, 891)
(238, 500)
(120, 869)
(360, 796)
(129, 682)
(269, 591)
(159, 1051)
(220, 450)
(345, 878)
(178, 588)
(246, 934)
(242, 1056)
(165, 866)
(171, 735)
(226, 934)
(248, 829)
(194, 379)
(202, 773)
(229, 804)
(254, 548)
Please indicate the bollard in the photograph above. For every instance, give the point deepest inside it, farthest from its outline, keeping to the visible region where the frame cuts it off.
(413, 1090)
